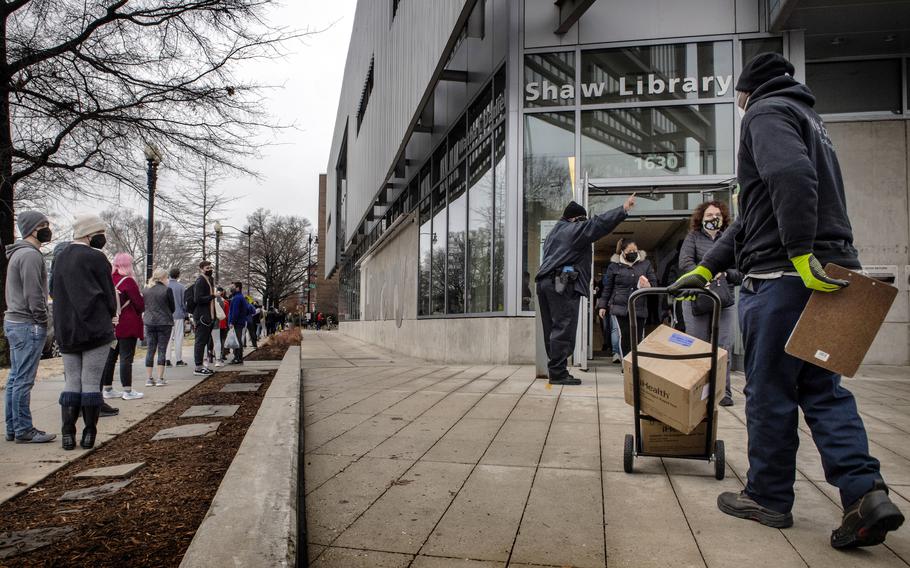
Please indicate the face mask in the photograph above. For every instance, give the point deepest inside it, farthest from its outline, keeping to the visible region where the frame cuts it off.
(97, 242)
(631, 256)
(44, 235)
(209, 271)
(712, 224)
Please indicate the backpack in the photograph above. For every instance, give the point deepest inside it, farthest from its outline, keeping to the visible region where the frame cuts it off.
(189, 299)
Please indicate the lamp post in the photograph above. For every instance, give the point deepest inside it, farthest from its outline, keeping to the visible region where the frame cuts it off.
(153, 158)
(217, 249)
(309, 268)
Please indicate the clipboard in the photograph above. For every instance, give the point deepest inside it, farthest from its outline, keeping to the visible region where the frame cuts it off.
(836, 329)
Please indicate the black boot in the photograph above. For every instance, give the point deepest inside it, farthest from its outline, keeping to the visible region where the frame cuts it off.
(91, 409)
(869, 520)
(69, 409)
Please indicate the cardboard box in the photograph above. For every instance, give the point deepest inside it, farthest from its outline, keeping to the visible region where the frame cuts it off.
(675, 392)
(658, 438)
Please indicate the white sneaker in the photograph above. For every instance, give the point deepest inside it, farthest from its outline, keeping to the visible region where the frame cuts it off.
(112, 393)
(219, 364)
(149, 383)
(132, 395)
(616, 358)
(160, 382)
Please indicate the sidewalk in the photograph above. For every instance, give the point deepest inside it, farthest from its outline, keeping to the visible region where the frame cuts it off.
(23, 465)
(410, 463)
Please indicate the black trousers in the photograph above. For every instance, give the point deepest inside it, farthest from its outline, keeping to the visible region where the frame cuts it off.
(252, 329)
(625, 333)
(238, 352)
(559, 315)
(125, 350)
(203, 334)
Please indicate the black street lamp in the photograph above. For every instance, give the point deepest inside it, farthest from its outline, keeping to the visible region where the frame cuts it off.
(153, 158)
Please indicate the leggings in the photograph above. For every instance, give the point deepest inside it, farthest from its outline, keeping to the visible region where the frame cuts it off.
(125, 349)
(157, 337)
(82, 374)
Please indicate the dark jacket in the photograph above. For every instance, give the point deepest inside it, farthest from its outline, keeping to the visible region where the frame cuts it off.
(132, 304)
(620, 280)
(791, 191)
(569, 244)
(694, 249)
(84, 302)
(203, 296)
(159, 305)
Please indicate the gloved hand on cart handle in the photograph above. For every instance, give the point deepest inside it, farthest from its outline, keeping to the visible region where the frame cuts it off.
(697, 278)
(814, 276)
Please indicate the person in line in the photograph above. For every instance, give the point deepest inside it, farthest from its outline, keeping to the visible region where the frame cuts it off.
(252, 326)
(175, 342)
(320, 320)
(707, 224)
(238, 318)
(793, 220)
(129, 329)
(159, 322)
(271, 321)
(609, 322)
(260, 318)
(216, 345)
(203, 304)
(25, 324)
(631, 272)
(85, 310)
(565, 276)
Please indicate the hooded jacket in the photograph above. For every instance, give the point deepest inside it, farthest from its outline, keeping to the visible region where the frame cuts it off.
(26, 284)
(620, 280)
(791, 191)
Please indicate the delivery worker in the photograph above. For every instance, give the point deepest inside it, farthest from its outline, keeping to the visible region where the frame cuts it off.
(565, 276)
(793, 220)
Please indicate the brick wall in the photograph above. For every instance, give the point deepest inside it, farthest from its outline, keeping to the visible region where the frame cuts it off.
(325, 296)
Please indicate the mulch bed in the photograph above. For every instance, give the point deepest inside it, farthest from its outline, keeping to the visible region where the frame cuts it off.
(152, 521)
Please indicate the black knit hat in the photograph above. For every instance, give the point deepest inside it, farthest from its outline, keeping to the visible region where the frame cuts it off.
(762, 68)
(574, 210)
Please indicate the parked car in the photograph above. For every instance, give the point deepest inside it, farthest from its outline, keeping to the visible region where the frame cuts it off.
(51, 349)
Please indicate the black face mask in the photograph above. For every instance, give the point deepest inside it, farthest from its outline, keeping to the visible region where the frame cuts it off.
(44, 235)
(631, 256)
(712, 224)
(97, 242)
(209, 272)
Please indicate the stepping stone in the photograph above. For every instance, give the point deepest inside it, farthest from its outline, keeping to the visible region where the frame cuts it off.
(251, 373)
(241, 387)
(95, 492)
(187, 431)
(117, 471)
(210, 411)
(13, 543)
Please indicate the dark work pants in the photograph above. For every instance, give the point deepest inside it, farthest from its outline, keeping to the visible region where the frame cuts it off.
(252, 329)
(125, 350)
(203, 334)
(625, 333)
(559, 314)
(777, 385)
(238, 352)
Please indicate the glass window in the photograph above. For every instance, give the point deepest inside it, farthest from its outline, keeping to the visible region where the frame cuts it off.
(480, 227)
(550, 79)
(499, 217)
(752, 47)
(458, 205)
(870, 85)
(549, 150)
(657, 73)
(423, 259)
(438, 244)
(658, 141)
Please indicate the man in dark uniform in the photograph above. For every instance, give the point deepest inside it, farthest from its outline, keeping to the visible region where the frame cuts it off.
(793, 220)
(565, 276)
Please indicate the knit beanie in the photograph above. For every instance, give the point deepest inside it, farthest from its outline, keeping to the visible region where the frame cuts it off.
(28, 221)
(88, 224)
(574, 210)
(763, 68)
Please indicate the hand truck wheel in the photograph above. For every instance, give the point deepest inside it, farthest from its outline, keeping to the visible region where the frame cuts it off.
(719, 460)
(627, 453)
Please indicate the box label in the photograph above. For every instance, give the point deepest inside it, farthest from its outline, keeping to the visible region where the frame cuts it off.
(822, 356)
(680, 339)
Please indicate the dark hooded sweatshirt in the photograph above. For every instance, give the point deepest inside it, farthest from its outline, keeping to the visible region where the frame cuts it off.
(791, 192)
(569, 244)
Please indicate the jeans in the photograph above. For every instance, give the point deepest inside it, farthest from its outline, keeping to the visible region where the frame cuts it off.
(126, 350)
(777, 385)
(700, 326)
(157, 337)
(175, 343)
(203, 334)
(26, 343)
(614, 333)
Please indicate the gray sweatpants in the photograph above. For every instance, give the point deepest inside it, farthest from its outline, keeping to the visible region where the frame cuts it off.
(700, 326)
(82, 371)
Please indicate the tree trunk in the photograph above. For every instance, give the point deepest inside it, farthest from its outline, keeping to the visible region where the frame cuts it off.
(7, 215)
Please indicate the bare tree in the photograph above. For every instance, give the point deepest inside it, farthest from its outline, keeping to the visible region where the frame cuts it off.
(126, 232)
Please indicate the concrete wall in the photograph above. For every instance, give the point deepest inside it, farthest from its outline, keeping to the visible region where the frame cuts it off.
(325, 297)
(874, 158)
(388, 278)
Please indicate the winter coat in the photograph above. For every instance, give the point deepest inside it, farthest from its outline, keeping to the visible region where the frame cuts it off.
(620, 280)
(26, 284)
(83, 299)
(223, 324)
(694, 249)
(159, 305)
(240, 311)
(178, 290)
(204, 296)
(130, 323)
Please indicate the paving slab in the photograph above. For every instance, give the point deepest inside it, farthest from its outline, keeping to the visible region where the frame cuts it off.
(320, 468)
(518, 443)
(534, 408)
(241, 387)
(322, 431)
(95, 492)
(438, 562)
(466, 442)
(15, 543)
(572, 445)
(347, 558)
(211, 411)
(187, 431)
(364, 437)
(116, 471)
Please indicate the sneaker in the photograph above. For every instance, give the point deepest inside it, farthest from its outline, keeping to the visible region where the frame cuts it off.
(219, 363)
(204, 372)
(744, 507)
(616, 359)
(160, 383)
(35, 436)
(108, 410)
(869, 520)
(180, 364)
(235, 362)
(149, 383)
(132, 395)
(167, 363)
(567, 380)
(726, 401)
(112, 393)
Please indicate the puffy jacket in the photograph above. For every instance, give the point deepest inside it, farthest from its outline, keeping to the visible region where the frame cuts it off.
(620, 280)
(83, 298)
(694, 249)
(130, 323)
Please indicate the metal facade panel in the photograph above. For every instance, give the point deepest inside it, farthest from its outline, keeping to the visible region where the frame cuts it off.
(641, 20)
(405, 52)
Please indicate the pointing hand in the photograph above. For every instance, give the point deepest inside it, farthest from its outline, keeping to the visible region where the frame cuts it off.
(629, 204)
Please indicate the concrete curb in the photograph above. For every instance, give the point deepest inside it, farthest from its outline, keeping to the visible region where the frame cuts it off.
(252, 520)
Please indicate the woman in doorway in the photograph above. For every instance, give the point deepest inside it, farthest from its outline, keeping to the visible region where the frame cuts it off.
(129, 329)
(706, 226)
(632, 271)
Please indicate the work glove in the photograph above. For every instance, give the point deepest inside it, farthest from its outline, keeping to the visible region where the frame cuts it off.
(813, 275)
(697, 278)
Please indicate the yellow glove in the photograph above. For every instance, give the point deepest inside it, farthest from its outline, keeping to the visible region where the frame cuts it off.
(697, 278)
(813, 275)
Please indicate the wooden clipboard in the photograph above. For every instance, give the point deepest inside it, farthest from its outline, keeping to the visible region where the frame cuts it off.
(836, 329)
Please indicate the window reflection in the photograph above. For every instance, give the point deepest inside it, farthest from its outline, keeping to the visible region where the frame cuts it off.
(457, 245)
(550, 79)
(438, 244)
